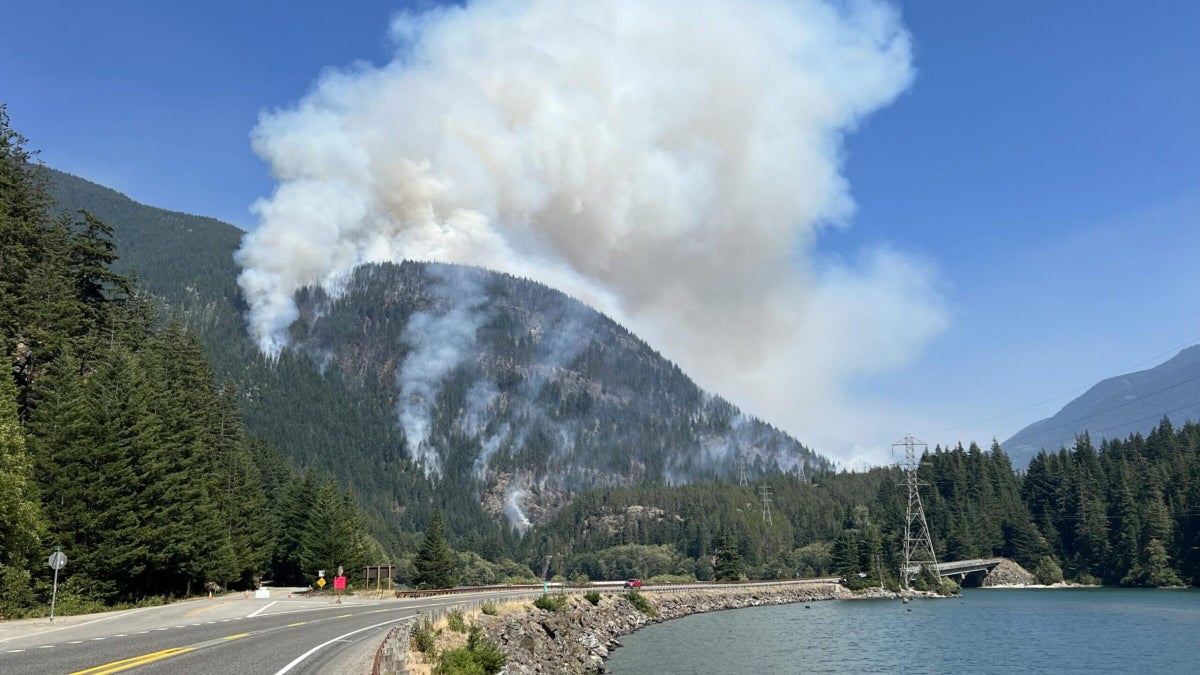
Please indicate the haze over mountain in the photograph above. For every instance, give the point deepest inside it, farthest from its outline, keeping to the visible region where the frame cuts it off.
(1117, 407)
(429, 383)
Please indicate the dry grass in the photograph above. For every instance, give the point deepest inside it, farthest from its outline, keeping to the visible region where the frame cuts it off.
(420, 663)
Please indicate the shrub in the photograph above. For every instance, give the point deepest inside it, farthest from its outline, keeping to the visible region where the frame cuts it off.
(1047, 571)
(640, 603)
(592, 597)
(519, 580)
(551, 603)
(488, 608)
(480, 657)
(673, 579)
(454, 619)
(424, 639)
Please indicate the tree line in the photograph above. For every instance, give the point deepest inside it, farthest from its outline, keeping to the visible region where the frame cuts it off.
(118, 444)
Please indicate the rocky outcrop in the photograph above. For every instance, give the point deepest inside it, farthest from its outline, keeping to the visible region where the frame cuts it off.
(1008, 573)
(577, 638)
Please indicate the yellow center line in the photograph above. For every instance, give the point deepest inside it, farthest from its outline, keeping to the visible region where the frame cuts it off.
(235, 637)
(343, 616)
(126, 664)
(202, 610)
(298, 623)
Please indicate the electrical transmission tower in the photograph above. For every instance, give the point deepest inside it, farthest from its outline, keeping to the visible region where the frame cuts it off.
(764, 494)
(918, 545)
(742, 470)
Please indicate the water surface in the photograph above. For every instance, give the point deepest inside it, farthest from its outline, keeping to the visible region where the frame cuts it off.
(985, 631)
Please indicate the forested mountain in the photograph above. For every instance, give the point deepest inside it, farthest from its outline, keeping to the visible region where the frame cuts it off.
(1118, 407)
(423, 386)
(145, 433)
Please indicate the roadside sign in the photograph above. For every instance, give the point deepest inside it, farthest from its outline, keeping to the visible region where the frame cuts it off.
(340, 572)
(58, 560)
(321, 582)
(321, 573)
(339, 583)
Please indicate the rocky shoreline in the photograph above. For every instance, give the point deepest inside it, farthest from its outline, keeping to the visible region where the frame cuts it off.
(579, 637)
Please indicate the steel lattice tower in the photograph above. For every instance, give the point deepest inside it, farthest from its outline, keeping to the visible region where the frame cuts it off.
(764, 493)
(742, 470)
(918, 545)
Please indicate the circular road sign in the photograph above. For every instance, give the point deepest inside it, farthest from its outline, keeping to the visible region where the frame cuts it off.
(58, 560)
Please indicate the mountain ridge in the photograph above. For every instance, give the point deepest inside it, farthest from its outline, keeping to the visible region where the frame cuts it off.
(554, 397)
(1117, 407)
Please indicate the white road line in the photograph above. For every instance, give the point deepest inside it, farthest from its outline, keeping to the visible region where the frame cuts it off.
(116, 615)
(299, 659)
(121, 635)
(75, 642)
(98, 639)
(143, 632)
(46, 647)
(14, 651)
(262, 609)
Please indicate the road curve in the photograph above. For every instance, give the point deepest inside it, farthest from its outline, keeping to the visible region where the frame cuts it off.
(284, 635)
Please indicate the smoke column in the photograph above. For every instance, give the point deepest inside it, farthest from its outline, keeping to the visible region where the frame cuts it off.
(669, 162)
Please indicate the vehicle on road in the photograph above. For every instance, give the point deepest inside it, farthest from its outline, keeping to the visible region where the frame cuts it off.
(633, 584)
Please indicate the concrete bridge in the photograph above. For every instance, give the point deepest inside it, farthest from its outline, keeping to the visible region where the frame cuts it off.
(961, 570)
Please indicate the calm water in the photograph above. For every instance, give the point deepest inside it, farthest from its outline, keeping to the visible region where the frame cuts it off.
(985, 631)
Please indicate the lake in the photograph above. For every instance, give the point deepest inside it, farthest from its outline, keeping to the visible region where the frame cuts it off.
(985, 631)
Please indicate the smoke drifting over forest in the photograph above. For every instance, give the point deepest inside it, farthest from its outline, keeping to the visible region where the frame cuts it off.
(670, 163)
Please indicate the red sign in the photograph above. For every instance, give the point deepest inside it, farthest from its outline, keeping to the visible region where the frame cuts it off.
(339, 583)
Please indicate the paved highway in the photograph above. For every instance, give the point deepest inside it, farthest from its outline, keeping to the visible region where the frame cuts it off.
(233, 635)
(227, 635)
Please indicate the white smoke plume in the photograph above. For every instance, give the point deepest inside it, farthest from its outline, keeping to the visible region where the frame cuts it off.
(512, 509)
(670, 162)
(439, 340)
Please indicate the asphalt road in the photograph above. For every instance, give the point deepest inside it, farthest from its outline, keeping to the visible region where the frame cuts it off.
(231, 634)
(228, 635)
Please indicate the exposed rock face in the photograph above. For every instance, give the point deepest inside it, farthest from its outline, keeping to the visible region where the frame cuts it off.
(578, 638)
(1009, 573)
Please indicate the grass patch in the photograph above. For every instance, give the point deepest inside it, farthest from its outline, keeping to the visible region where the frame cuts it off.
(551, 603)
(592, 597)
(454, 619)
(640, 603)
(489, 608)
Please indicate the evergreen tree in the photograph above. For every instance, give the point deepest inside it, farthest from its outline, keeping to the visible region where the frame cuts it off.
(728, 566)
(435, 560)
(20, 515)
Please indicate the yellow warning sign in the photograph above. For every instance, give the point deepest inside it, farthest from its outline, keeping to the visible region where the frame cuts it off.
(321, 582)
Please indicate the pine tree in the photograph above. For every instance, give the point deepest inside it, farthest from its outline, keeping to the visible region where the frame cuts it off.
(20, 515)
(435, 560)
(728, 566)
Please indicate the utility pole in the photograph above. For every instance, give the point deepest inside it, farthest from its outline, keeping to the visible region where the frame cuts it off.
(742, 471)
(918, 545)
(764, 494)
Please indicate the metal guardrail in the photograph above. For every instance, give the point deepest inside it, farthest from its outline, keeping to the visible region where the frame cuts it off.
(608, 586)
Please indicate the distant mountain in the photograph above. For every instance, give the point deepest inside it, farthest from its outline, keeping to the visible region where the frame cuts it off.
(1118, 407)
(419, 385)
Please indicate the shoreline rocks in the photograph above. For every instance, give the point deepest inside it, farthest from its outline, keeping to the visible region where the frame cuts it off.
(579, 637)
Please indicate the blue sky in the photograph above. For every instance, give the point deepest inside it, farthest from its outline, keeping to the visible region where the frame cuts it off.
(1044, 162)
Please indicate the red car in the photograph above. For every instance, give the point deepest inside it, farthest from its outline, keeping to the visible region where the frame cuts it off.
(633, 583)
